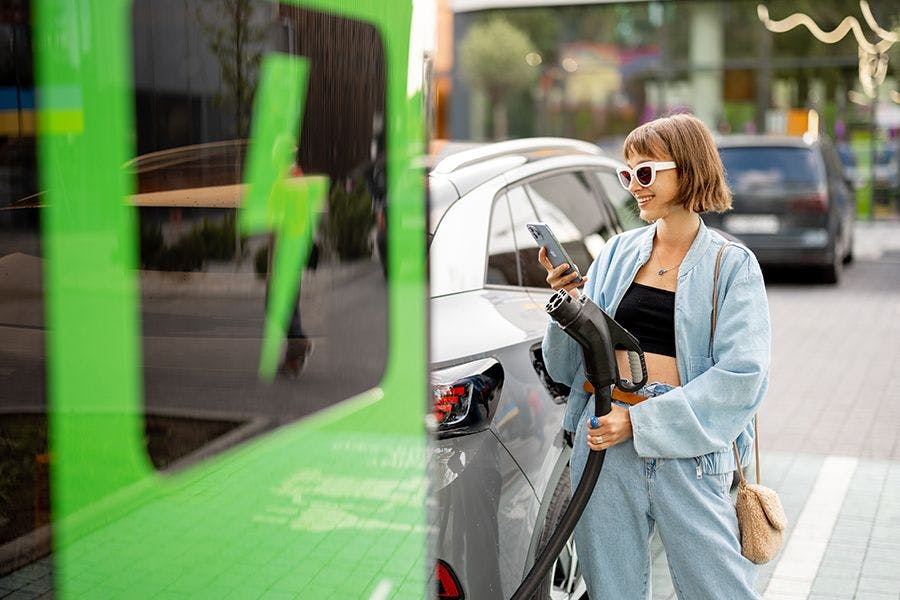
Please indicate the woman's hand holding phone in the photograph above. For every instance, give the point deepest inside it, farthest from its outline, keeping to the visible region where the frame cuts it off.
(558, 278)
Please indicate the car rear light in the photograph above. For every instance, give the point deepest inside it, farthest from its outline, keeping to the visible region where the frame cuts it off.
(451, 402)
(816, 203)
(464, 397)
(448, 586)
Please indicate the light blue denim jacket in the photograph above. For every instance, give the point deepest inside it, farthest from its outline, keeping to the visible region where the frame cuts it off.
(722, 386)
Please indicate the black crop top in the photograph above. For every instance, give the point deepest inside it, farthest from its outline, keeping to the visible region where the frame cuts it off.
(648, 313)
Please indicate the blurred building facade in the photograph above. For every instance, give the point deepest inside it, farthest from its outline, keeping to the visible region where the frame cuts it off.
(605, 67)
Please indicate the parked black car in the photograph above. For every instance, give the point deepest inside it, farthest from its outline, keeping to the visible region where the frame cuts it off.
(793, 204)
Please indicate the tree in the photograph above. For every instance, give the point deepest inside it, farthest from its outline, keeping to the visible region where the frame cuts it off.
(492, 60)
(236, 41)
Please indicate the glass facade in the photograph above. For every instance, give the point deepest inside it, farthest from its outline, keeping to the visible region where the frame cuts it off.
(602, 69)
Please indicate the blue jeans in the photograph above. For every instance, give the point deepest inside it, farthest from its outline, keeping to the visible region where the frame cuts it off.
(692, 510)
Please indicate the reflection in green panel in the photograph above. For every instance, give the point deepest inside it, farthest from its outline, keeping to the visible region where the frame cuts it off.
(331, 506)
(275, 202)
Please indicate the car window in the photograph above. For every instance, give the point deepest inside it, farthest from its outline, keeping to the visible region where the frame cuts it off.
(521, 213)
(754, 169)
(621, 199)
(567, 203)
(502, 268)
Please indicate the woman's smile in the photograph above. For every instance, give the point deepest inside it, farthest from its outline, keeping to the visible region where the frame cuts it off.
(645, 203)
(643, 200)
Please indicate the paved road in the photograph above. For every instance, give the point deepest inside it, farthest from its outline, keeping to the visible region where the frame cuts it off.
(202, 336)
(831, 423)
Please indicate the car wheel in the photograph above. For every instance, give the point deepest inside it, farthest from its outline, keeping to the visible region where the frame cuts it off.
(848, 258)
(848, 251)
(831, 273)
(564, 581)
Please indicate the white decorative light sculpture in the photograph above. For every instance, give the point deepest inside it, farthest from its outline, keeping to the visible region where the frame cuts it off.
(873, 58)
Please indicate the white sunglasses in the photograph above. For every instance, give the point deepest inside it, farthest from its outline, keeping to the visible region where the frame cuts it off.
(644, 173)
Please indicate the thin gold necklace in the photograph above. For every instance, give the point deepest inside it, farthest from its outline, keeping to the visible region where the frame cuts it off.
(662, 270)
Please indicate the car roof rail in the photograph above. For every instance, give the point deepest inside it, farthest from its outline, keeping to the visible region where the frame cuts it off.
(465, 158)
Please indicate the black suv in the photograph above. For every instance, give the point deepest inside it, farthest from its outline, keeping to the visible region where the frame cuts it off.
(793, 204)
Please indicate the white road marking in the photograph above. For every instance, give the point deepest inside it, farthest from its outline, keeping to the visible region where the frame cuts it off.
(796, 569)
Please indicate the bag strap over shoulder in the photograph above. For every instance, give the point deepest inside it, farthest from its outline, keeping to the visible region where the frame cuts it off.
(712, 333)
(715, 298)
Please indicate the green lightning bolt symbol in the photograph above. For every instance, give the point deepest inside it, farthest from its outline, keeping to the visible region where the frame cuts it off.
(275, 201)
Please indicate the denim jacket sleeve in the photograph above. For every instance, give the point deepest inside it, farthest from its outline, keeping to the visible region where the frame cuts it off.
(708, 412)
(562, 356)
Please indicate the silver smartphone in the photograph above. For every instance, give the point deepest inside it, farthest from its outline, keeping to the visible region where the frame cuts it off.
(543, 235)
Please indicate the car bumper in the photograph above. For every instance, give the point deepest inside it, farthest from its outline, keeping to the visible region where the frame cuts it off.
(799, 247)
(484, 513)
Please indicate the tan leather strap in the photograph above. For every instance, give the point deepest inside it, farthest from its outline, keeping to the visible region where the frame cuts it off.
(617, 394)
(715, 299)
(712, 333)
(737, 460)
(627, 397)
(737, 457)
(755, 446)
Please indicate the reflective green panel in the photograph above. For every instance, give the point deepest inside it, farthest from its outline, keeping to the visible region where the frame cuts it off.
(211, 171)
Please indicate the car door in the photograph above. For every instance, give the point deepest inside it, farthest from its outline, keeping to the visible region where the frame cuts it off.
(842, 196)
(488, 496)
(528, 420)
(569, 204)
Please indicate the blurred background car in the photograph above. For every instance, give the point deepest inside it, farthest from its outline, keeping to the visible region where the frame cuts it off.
(887, 173)
(793, 204)
(854, 174)
(499, 458)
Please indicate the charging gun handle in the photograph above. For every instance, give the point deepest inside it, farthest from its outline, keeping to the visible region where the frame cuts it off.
(600, 368)
(529, 586)
(622, 339)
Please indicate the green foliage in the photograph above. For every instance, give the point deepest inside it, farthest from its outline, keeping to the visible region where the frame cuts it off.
(492, 58)
(208, 240)
(739, 115)
(583, 121)
(22, 439)
(542, 26)
(522, 115)
(350, 220)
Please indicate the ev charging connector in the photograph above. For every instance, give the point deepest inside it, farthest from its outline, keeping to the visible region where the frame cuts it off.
(599, 336)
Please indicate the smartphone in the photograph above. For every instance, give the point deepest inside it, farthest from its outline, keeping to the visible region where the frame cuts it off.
(543, 235)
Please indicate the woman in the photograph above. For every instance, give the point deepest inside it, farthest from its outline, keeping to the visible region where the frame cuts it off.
(669, 459)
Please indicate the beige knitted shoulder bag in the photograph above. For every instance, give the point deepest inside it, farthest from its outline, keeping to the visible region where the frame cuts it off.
(760, 515)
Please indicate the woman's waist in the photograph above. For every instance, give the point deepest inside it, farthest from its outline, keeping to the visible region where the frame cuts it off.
(648, 390)
(660, 368)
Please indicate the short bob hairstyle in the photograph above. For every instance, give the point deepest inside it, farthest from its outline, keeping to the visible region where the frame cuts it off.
(684, 139)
